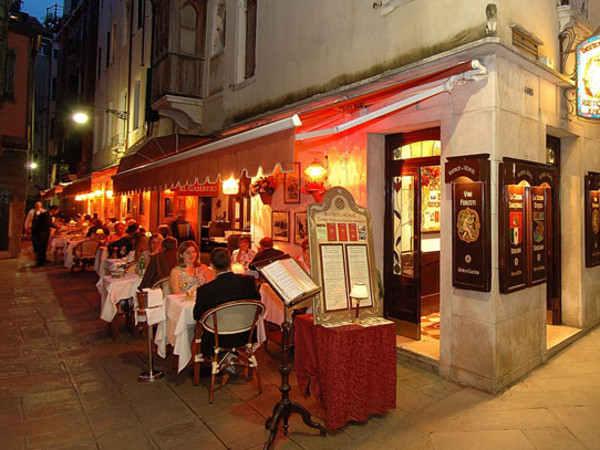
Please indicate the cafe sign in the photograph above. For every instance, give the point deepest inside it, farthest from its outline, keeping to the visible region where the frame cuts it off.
(588, 78)
(199, 190)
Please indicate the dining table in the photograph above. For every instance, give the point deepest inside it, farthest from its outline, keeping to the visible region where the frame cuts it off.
(114, 289)
(179, 328)
(69, 245)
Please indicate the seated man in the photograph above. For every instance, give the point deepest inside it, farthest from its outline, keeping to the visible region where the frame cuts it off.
(226, 287)
(266, 252)
(160, 265)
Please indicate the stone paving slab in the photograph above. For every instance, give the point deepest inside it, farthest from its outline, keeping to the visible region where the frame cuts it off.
(64, 384)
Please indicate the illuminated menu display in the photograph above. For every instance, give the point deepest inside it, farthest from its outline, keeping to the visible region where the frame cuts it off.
(514, 275)
(469, 236)
(537, 234)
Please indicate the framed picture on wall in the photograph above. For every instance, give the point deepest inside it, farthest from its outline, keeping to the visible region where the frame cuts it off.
(280, 226)
(300, 227)
(291, 185)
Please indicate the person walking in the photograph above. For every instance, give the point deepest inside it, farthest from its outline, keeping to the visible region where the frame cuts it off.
(40, 233)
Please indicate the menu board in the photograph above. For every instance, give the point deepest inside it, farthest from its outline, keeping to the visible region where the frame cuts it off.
(334, 277)
(341, 246)
(537, 234)
(357, 259)
(469, 260)
(592, 225)
(513, 274)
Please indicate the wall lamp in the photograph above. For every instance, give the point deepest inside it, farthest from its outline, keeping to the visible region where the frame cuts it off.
(315, 176)
(231, 186)
(82, 117)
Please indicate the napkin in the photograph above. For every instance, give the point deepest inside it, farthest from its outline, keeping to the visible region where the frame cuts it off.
(155, 297)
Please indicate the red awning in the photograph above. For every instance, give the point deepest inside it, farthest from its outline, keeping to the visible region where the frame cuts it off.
(80, 186)
(263, 147)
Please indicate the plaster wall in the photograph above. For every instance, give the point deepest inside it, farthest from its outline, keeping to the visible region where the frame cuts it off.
(351, 40)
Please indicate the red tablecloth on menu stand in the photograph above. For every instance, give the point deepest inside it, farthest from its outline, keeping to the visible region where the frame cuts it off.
(351, 370)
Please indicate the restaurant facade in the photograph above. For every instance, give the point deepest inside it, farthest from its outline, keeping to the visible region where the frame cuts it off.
(464, 145)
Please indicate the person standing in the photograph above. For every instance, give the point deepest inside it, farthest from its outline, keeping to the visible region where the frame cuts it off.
(33, 212)
(182, 230)
(40, 232)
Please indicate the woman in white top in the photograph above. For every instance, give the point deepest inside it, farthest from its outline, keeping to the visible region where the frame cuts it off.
(244, 254)
(189, 272)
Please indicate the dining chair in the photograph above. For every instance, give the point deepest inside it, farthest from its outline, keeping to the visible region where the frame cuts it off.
(84, 254)
(235, 317)
(163, 284)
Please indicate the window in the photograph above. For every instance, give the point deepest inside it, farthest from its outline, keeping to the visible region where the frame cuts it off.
(136, 105)
(218, 29)
(189, 25)
(9, 81)
(251, 38)
(140, 13)
(99, 62)
(107, 48)
(246, 41)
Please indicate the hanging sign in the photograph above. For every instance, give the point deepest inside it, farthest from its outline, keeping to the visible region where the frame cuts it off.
(538, 224)
(199, 190)
(592, 220)
(513, 264)
(588, 74)
(469, 264)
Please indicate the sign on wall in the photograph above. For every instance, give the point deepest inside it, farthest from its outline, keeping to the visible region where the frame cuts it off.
(592, 219)
(471, 251)
(538, 225)
(588, 78)
(513, 262)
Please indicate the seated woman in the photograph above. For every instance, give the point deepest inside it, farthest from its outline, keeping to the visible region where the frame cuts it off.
(189, 273)
(244, 254)
(146, 249)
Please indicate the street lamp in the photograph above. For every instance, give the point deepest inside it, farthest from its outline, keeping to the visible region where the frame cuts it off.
(81, 117)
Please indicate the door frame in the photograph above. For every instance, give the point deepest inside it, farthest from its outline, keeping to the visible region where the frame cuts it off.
(406, 326)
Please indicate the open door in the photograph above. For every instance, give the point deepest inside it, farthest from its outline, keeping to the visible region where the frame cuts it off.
(403, 223)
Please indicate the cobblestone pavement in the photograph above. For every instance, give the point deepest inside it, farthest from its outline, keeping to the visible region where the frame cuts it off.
(64, 384)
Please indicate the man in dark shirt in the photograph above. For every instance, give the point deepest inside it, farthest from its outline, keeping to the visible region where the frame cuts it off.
(181, 229)
(226, 287)
(160, 265)
(266, 252)
(40, 231)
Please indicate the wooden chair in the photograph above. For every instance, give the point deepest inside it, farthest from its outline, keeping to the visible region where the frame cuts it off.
(229, 318)
(84, 254)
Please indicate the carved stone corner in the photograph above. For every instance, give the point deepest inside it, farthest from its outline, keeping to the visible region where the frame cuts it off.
(187, 112)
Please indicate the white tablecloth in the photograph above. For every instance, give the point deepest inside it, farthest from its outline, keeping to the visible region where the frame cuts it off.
(180, 328)
(112, 290)
(70, 243)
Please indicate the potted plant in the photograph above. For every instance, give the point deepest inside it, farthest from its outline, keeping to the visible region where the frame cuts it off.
(265, 187)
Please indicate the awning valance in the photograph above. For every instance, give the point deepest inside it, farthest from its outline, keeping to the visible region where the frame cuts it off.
(264, 147)
(80, 186)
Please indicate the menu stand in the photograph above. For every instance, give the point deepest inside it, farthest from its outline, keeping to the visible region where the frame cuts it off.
(285, 275)
(151, 374)
(285, 407)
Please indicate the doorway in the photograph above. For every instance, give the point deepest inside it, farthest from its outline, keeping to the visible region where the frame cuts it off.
(412, 232)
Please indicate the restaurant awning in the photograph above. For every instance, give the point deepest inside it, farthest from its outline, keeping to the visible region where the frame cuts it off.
(80, 186)
(411, 92)
(263, 147)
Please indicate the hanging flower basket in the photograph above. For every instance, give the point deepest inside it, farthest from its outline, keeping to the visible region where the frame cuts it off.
(266, 198)
(264, 186)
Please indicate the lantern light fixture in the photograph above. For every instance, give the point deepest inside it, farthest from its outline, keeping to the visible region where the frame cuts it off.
(98, 193)
(315, 176)
(231, 186)
(109, 193)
